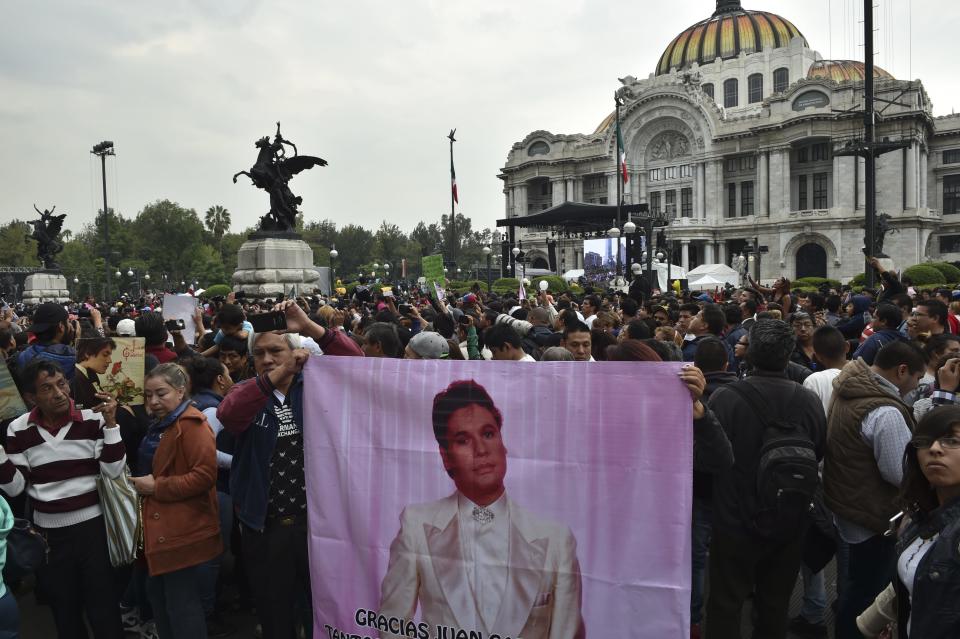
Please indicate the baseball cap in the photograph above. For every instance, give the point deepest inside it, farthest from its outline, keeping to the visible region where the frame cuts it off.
(126, 328)
(46, 316)
(704, 297)
(429, 345)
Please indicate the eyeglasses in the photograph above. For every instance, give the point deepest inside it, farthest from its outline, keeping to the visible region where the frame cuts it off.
(950, 442)
(919, 314)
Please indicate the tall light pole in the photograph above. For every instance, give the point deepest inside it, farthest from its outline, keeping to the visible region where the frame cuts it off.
(488, 251)
(102, 150)
(333, 271)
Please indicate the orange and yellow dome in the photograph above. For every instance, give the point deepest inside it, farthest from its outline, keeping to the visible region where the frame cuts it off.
(726, 34)
(844, 71)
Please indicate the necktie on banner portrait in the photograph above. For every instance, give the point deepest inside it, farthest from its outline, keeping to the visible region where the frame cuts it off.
(459, 500)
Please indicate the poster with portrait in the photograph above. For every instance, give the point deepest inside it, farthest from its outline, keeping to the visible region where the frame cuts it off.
(11, 403)
(487, 500)
(116, 365)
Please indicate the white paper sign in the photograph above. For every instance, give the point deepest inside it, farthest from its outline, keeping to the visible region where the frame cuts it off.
(182, 307)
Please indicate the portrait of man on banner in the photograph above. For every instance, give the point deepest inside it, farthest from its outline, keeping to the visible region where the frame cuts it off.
(476, 560)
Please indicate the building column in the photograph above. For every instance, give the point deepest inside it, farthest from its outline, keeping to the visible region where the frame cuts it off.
(556, 191)
(570, 190)
(923, 181)
(708, 252)
(508, 201)
(720, 192)
(520, 200)
(699, 194)
(685, 254)
(838, 184)
(763, 185)
(722, 252)
(913, 168)
(642, 187)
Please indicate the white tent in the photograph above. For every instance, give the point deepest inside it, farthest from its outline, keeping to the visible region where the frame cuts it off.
(707, 282)
(573, 275)
(721, 274)
(676, 273)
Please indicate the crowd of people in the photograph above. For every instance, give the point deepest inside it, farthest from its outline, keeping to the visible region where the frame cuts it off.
(826, 424)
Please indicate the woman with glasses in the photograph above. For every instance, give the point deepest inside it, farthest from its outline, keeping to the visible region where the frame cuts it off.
(928, 563)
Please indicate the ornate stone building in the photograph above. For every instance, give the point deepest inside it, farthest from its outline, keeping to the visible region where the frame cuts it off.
(734, 138)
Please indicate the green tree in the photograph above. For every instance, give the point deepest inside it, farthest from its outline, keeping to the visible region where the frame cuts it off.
(163, 234)
(321, 236)
(206, 266)
(16, 246)
(355, 246)
(390, 242)
(217, 221)
(428, 237)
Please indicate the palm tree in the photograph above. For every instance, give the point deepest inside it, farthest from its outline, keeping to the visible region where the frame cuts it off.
(217, 220)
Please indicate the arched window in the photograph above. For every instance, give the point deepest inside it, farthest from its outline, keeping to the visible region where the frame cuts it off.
(755, 88)
(708, 89)
(730, 88)
(538, 148)
(781, 80)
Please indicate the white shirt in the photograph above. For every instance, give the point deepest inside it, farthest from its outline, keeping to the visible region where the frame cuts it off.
(909, 561)
(589, 321)
(527, 357)
(821, 383)
(486, 553)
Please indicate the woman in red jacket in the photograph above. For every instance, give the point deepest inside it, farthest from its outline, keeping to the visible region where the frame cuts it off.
(181, 525)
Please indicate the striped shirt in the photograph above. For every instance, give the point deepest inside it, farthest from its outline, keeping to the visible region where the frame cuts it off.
(59, 469)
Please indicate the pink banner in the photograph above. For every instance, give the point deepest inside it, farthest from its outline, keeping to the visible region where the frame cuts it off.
(486, 500)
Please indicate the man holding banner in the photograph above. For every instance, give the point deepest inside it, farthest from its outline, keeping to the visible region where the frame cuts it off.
(476, 560)
(267, 475)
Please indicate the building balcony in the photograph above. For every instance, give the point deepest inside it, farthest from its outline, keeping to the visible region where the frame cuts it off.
(808, 213)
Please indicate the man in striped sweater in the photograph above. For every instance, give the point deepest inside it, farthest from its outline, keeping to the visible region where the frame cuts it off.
(55, 453)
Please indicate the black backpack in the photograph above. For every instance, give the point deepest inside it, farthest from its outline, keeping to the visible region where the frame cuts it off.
(787, 474)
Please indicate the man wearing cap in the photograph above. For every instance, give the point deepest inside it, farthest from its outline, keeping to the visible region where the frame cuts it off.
(53, 333)
(427, 345)
(126, 328)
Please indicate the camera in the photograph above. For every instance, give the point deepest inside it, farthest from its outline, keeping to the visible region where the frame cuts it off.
(175, 325)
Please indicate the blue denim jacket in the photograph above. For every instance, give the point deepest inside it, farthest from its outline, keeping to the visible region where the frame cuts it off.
(934, 609)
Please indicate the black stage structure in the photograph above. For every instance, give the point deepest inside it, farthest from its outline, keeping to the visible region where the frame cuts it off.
(585, 221)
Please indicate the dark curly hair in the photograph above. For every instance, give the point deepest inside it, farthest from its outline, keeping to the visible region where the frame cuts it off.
(457, 395)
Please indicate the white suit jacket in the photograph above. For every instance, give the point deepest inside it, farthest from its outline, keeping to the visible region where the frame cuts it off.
(543, 593)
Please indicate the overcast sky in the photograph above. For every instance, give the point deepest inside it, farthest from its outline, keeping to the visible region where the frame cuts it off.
(185, 87)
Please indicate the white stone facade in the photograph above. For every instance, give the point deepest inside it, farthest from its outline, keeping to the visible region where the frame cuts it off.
(765, 170)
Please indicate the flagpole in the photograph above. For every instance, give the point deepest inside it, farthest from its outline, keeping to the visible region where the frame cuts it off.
(453, 211)
(616, 172)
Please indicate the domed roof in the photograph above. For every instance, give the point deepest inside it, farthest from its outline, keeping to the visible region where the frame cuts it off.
(726, 34)
(844, 71)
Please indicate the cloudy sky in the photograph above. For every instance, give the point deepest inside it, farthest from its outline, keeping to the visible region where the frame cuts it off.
(184, 88)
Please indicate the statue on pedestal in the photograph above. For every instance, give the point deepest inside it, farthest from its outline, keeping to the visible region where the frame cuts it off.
(46, 231)
(881, 228)
(271, 172)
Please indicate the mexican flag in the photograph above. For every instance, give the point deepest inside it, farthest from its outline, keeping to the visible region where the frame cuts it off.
(453, 181)
(621, 155)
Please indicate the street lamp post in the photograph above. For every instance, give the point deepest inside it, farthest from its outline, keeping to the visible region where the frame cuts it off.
(487, 251)
(333, 271)
(515, 251)
(102, 150)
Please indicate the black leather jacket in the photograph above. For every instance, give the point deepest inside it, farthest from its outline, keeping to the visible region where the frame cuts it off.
(934, 609)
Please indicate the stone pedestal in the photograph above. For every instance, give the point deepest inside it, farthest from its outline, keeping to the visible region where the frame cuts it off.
(45, 287)
(268, 266)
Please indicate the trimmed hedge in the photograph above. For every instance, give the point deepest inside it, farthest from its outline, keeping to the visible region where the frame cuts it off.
(860, 279)
(924, 274)
(507, 282)
(950, 272)
(815, 282)
(217, 289)
(555, 283)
